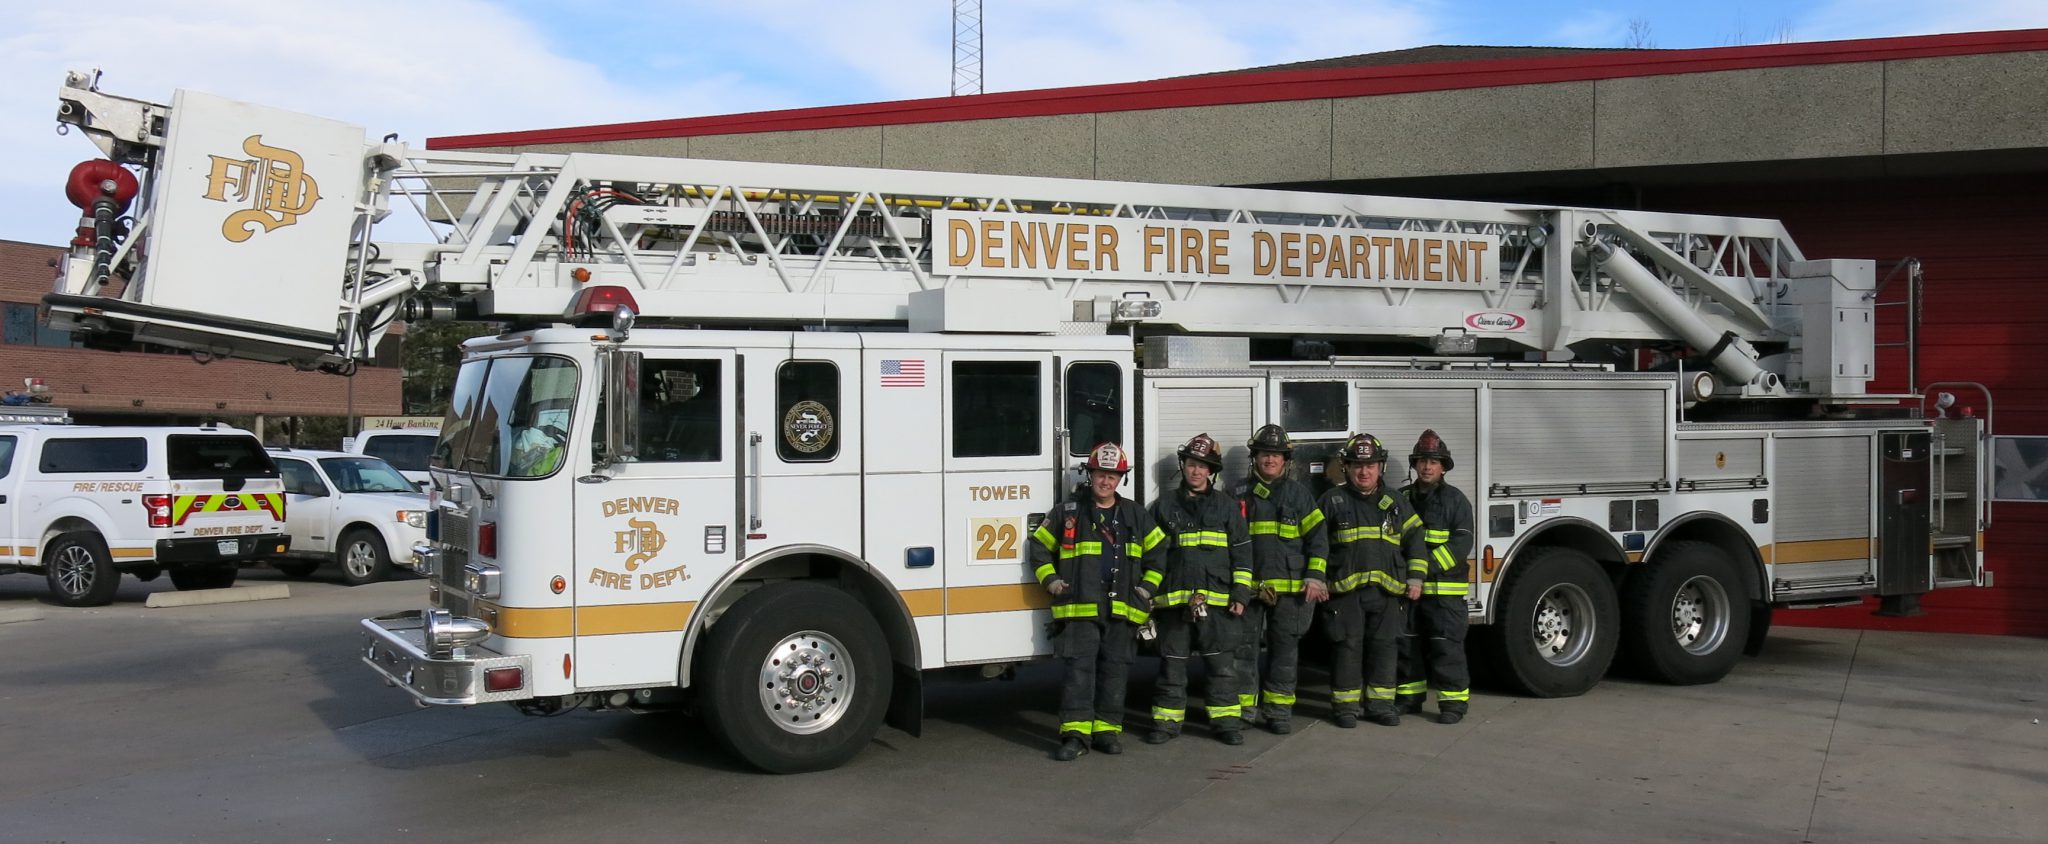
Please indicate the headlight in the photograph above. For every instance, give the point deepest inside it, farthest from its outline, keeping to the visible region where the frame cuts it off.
(413, 518)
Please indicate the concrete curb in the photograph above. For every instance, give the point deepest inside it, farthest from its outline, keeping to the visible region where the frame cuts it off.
(231, 595)
(10, 616)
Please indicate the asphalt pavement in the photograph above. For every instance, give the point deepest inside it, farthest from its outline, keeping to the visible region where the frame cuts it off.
(255, 722)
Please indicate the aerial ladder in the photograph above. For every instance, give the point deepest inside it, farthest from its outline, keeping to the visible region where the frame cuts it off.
(234, 230)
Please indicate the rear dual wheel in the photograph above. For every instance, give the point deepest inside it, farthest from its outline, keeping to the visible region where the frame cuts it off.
(1558, 629)
(1685, 615)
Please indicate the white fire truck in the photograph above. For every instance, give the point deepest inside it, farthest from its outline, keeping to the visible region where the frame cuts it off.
(768, 440)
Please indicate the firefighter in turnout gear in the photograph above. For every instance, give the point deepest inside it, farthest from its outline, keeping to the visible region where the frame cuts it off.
(1094, 553)
(1434, 650)
(1204, 588)
(1376, 554)
(1287, 539)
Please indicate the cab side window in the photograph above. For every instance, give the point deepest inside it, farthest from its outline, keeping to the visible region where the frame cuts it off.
(300, 478)
(102, 455)
(1094, 406)
(679, 411)
(6, 456)
(995, 408)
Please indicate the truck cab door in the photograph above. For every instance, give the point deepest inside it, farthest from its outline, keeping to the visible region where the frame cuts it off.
(10, 535)
(655, 531)
(999, 478)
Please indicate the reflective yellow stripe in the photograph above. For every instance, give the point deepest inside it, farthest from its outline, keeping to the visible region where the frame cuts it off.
(1119, 609)
(1355, 534)
(1444, 558)
(1282, 585)
(1346, 695)
(1241, 577)
(1314, 517)
(1153, 539)
(1416, 688)
(1169, 714)
(1279, 698)
(1413, 522)
(1384, 580)
(1073, 610)
(1231, 711)
(1152, 578)
(1202, 539)
(1081, 549)
(1045, 538)
(1455, 587)
(1418, 567)
(1460, 694)
(1082, 727)
(1175, 599)
(1133, 549)
(1380, 693)
(1046, 571)
(1106, 727)
(1279, 529)
(1247, 700)
(1438, 537)
(1318, 565)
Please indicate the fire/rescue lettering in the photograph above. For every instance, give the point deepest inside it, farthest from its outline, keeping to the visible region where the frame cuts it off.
(1013, 492)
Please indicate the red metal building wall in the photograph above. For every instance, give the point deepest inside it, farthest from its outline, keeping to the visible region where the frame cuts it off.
(1983, 242)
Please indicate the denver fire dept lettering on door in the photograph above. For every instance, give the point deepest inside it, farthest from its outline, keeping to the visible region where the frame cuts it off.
(638, 541)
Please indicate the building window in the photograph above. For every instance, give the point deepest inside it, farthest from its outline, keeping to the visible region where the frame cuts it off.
(996, 408)
(20, 325)
(807, 411)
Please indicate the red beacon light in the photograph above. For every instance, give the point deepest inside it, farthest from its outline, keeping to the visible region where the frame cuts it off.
(608, 306)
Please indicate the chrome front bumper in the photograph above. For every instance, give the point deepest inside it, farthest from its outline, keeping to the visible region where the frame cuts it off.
(396, 647)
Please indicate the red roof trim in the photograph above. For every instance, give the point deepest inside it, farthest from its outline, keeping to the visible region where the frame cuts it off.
(1281, 86)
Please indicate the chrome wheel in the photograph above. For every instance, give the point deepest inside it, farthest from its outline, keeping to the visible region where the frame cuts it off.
(1699, 615)
(807, 682)
(1564, 624)
(359, 559)
(75, 569)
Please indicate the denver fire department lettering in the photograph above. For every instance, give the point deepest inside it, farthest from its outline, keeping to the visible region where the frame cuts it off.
(272, 181)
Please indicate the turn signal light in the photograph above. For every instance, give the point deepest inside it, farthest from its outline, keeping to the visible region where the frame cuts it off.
(504, 679)
(159, 507)
(487, 539)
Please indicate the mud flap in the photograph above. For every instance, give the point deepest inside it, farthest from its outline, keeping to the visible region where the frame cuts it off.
(1759, 628)
(906, 700)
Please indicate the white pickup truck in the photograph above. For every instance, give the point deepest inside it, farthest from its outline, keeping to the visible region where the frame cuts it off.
(350, 509)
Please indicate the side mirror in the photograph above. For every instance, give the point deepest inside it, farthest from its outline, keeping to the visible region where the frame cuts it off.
(621, 406)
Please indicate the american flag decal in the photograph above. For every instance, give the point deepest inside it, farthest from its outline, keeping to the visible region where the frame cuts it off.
(902, 373)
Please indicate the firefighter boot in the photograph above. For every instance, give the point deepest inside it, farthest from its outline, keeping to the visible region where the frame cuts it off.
(1385, 719)
(1108, 744)
(1345, 720)
(1450, 716)
(1070, 749)
(1230, 737)
(1159, 737)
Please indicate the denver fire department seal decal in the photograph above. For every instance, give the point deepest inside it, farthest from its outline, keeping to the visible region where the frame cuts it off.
(807, 427)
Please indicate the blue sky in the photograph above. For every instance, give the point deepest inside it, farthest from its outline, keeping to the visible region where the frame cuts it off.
(436, 67)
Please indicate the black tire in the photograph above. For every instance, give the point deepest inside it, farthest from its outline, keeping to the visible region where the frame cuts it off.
(1685, 616)
(203, 577)
(756, 636)
(1561, 590)
(80, 571)
(362, 557)
(296, 568)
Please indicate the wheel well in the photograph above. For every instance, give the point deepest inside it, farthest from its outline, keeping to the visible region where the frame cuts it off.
(355, 526)
(69, 524)
(815, 563)
(1568, 532)
(1717, 530)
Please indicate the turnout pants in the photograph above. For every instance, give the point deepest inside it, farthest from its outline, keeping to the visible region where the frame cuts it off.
(1272, 633)
(1098, 657)
(1214, 640)
(1365, 627)
(1433, 654)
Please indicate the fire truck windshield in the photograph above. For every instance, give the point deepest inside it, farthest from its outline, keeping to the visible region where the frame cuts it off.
(509, 417)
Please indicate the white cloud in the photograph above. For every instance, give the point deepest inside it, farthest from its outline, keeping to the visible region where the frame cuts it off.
(419, 69)
(1838, 19)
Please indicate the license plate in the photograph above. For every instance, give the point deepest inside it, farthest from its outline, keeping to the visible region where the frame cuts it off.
(229, 546)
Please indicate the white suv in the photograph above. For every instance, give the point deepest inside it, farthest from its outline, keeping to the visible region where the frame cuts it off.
(406, 449)
(350, 509)
(83, 504)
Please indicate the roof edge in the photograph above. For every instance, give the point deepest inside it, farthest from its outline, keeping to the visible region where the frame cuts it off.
(1255, 86)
